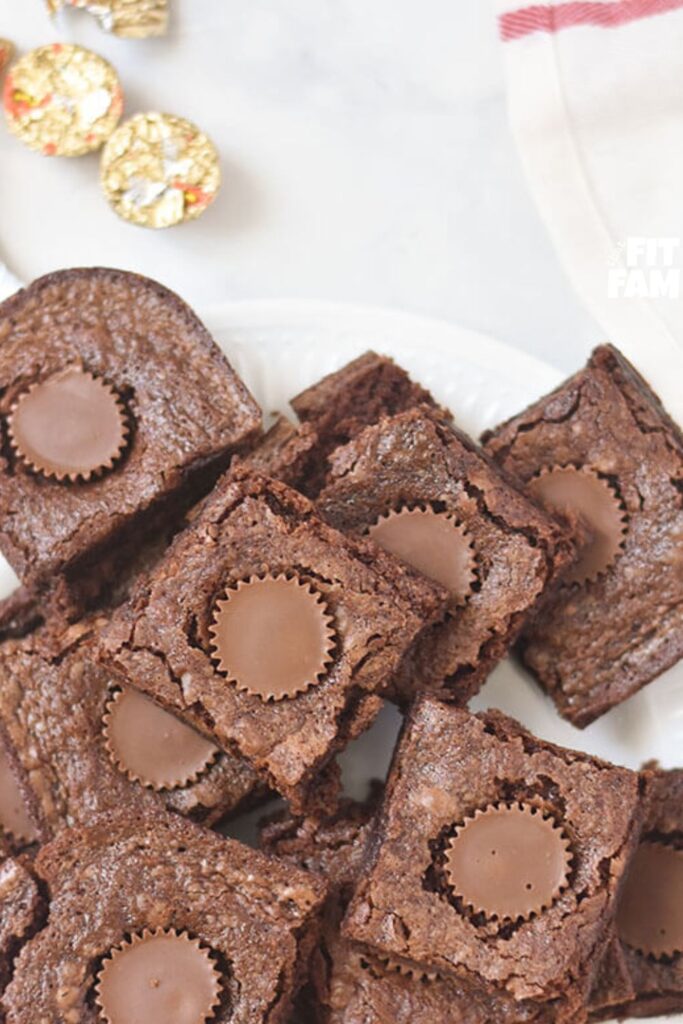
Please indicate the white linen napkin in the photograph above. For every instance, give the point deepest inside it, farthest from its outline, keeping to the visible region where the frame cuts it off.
(595, 93)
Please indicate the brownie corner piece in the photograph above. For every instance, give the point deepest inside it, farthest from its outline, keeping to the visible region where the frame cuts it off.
(345, 401)
(285, 452)
(498, 858)
(602, 454)
(78, 744)
(424, 491)
(226, 929)
(209, 632)
(641, 974)
(116, 403)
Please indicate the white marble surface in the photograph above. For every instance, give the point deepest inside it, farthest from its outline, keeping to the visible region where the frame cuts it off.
(366, 154)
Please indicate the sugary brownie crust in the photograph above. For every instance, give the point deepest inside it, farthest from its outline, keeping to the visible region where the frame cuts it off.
(347, 984)
(448, 765)
(53, 699)
(595, 645)
(160, 641)
(189, 411)
(414, 459)
(340, 405)
(630, 984)
(113, 880)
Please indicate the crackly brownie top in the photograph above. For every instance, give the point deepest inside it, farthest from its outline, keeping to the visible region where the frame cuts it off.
(130, 895)
(111, 390)
(344, 402)
(204, 632)
(425, 492)
(645, 960)
(82, 745)
(602, 452)
(478, 790)
(349, 985)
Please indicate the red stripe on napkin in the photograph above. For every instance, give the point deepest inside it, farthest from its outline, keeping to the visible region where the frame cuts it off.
(548, 18)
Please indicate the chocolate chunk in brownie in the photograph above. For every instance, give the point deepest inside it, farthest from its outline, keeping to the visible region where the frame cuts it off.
(601, 451)
(80, 745)
(642, 973)
(425, 492)
(269, 630)
(497, 860)
(21, 908)
(151, 918)
(348, 985)
(115, 402)
(340, 405)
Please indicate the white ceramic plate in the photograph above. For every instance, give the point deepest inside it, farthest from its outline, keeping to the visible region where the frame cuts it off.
(281, 347)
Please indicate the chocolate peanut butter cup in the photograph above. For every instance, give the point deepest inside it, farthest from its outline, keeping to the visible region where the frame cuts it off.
(152, 746)
(70, 426)
(432, 542)
(508, 862)
(272, 636)
(593, 508)
(62, 100)
(650, 914)
(157, 977)
(14, 819)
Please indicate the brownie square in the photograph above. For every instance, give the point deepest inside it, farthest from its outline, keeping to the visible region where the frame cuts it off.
(347, 984)
(81, 746)
(230, 928)
(639, 977)
(344, 402)
(498, 858)
(480, 537)
(352, 613)
(115, 402)
(619, 623)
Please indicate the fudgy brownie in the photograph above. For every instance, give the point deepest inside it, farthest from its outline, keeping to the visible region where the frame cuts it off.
(340, 405)
(286, 453)
(602, 452)
(497, 860)
(424, 491)
(114, 401)
(347, 984)
(158, 920)
(21, 909)
(642, 972)
(80, 745)
(269, 630)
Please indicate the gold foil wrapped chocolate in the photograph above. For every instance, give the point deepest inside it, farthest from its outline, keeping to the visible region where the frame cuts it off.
(62, 100)
(131, 19)
(6, 51)
(158, 170)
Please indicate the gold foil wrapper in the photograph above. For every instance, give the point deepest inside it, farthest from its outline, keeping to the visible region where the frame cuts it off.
(131, 19)
(6, 51)
(158, 170)
(62, 100)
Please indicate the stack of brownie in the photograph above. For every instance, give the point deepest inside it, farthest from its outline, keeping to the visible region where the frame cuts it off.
(209, 615)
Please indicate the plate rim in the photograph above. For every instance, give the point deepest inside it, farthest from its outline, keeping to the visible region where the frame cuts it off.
(483, 350)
